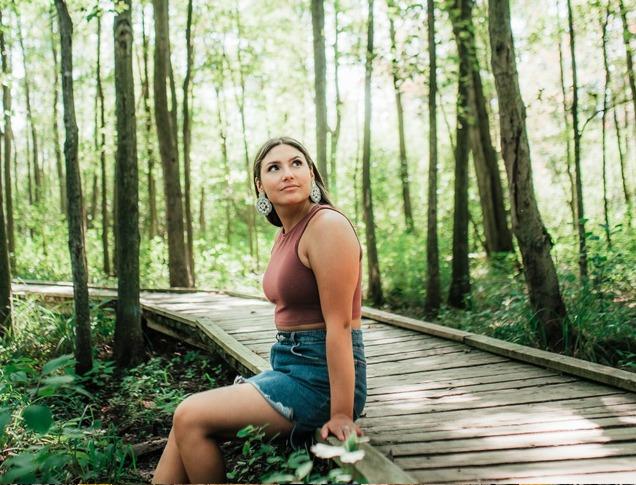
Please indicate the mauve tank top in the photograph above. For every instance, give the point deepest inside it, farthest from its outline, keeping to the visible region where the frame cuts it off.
(291, 285)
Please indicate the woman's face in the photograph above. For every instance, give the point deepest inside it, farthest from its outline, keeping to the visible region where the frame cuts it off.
(285, 176)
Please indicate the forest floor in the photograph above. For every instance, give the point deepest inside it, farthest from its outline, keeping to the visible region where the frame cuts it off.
(112, 412)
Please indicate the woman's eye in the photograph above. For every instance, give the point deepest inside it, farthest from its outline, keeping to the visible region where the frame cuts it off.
(299, 162)
(271, 167)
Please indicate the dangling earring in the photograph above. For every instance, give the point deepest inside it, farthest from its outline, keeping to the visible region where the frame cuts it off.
(314, 195)
(263, 204)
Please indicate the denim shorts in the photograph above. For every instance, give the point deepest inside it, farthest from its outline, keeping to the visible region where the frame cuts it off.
(298, 384)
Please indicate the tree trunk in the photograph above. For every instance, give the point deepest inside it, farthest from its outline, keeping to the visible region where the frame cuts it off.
(56, 129)
(404, 170)
(621, 159)
(433, 292)
(580, 212)
(335, 133)
(532, 236)
(251, 221)
(129, 344)
(375, 283)
(187, 122)
(459, 290)
(101, 149)
(628, 54)
(177, 254)
(34, 137)
(603, 122)
(8, 140)
(76, 239)
(94, 196)
(566, 121)
(320, 84)
(496, 230)
(202, 211)
(152, 191)
(5, 265)
(226, 165)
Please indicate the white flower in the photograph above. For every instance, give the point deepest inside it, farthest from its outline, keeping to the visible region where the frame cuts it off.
(326, 451)
(352, 456)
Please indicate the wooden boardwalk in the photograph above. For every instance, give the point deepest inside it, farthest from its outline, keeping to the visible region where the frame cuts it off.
(439, 408)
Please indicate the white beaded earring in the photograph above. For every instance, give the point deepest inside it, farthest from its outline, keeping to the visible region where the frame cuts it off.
(314, 195)
(263, 204)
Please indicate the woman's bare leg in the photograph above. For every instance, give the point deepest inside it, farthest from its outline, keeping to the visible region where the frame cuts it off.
(206, 416)
(170, 468)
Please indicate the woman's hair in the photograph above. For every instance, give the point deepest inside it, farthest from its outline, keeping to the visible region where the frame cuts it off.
(272, 217)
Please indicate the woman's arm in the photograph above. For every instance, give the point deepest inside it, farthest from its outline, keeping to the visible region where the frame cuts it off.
(333, 251)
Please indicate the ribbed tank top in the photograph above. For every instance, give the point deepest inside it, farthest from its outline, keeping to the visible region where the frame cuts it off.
(291, 285)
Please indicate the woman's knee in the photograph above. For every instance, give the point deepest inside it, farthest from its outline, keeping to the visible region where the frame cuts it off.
(186, 419)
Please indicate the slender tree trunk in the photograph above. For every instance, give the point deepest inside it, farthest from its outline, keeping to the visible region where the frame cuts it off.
(76, 239)
(129, 344)
(621, 159)
(566, 121)
(628, 54)
(177, 254)
(152, 190)
(532, 236)
(580, 212)
(101, 149)
(8, 140)
(496, 230)
(202, 211)
(187, 120)
(251, 221)
(5, 265)
(603, 125)
(34, 137)
(94, 196)
(375, 283)
(320, 84)
(226, 165)
(459, 291)
(433, 291)
(56, 129)
(335, 133)
(404, 169)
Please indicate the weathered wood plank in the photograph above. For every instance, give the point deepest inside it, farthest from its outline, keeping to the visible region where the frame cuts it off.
(433, 434)
(522, 471)
(513, 441)
(521, 456)
(409, 396)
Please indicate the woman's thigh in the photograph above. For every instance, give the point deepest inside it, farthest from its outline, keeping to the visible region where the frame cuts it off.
(223, 411)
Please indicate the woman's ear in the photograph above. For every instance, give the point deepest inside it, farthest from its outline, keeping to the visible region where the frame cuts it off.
(259, 186)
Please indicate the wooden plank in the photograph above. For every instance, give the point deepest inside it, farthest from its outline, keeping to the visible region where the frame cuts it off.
(522, 471)
(431, 365)
(501, 368)
(588, 370)
(467, 384)
(591, 478)
(498, 414)
(495, 399)
(232, 348)
(413, 324)
(433, 434)
(513, 441)
(522, 456)
(410, 396)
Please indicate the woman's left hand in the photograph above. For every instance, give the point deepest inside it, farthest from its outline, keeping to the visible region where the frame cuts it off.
(341, 426)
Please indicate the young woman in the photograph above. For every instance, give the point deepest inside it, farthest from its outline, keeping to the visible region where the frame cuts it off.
(318, 376)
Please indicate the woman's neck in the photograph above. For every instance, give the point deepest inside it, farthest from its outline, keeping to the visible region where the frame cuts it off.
(290, 215)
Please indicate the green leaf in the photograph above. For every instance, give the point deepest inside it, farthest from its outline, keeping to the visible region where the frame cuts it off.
(303, 470)
(38, 418)
(297, 458)
(246, 431)
(5, 418)
(59, 380)
(59, 362)
(278, 477)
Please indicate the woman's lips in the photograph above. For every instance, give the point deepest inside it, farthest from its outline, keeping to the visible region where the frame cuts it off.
(291, 187)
